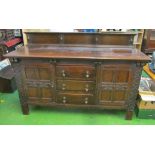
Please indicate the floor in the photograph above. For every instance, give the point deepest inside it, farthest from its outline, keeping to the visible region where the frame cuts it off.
(10, 114)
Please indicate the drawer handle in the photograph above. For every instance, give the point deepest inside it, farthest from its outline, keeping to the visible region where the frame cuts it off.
(63, 73)
(87, 74)
(64, 99)
(86, 100)
(86, 88)
(63, 86)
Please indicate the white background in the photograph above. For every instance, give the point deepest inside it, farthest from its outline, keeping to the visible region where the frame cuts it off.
(77, 140)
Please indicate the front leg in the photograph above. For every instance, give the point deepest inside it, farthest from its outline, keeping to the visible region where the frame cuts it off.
(25, 109)
(129, 115)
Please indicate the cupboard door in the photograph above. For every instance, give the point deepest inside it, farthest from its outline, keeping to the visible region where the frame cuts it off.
(39, 82)
(115, 81)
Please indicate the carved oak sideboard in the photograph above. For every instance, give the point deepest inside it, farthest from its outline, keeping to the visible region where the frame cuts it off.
(86, 76)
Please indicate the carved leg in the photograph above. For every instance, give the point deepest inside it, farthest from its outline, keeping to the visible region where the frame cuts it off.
(129, 115)
(131, 102)
(25, 109)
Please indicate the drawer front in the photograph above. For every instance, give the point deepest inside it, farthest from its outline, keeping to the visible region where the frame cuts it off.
(85, 86)
(75, 72)
(68, 98)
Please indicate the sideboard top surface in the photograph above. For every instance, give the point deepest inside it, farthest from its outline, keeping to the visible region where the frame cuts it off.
(89, 33)
(99, 52)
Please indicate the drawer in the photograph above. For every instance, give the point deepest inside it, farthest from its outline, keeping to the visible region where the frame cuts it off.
(75, 72)
(85, 86)
(72, 98)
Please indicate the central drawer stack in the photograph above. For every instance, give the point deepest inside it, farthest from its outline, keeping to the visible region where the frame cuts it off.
(75, 83)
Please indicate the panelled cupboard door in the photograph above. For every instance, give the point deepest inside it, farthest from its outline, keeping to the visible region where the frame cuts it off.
(115, 81)
(39, 82)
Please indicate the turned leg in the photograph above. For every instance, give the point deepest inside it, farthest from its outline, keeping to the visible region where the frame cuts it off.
(25, 109)
(129, 115)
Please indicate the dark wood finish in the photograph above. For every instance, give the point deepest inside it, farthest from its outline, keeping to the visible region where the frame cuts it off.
(129, 115)
(148, 45)
(106, 38)
(75, 71)
(25, 109)
(88, 76)
(79, 52)
(75, 98)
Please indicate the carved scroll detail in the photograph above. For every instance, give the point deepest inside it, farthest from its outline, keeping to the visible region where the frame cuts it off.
(20, 86)
(131, 102)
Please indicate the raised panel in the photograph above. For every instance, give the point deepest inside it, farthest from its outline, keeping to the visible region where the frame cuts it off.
(32, 92)
(120, 95)
(116, 73)
(47, 92)
(47, 95)
(123, 76)
(79, 39)
(106, 95)
(30, 73)
(44, 73)
(107, 75)
(39, 71)
(40, 94)
(114, 39)
(43, 38)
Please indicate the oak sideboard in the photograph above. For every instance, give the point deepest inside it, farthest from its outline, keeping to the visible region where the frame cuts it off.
(79, 75)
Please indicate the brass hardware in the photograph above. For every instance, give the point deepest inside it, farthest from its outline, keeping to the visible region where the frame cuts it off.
(61, 37)
(63, 86)
(96, 39)
(86, 100)
(86, 88)
(50, 85)
(63, 73)
(87, 74)
(64, 99)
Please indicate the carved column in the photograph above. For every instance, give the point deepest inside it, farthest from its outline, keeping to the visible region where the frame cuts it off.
(131, 102)
(20, 86)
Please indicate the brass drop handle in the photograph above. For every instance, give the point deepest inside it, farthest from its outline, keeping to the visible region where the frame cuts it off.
(87, 74)
(63, 86)
(63, 73)
(86, 100)
(64, 99)
(61, 38)
(86, 88)
(51, 84)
